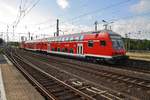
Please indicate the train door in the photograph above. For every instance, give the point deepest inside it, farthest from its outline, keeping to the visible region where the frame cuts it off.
(80, 49)
(49, 47)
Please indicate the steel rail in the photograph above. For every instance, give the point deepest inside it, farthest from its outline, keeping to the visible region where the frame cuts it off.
(85, 96)
(107, 74)
(107, 93)
(121, 78)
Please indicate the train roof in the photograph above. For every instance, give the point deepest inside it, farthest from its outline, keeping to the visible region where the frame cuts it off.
(80, 35)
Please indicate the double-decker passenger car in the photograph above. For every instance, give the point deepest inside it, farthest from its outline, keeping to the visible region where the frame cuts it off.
(100, 45)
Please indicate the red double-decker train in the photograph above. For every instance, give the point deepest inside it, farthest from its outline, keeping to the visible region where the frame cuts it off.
(101, 45)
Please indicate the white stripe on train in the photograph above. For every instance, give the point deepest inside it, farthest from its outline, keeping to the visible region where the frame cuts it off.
(70, 54)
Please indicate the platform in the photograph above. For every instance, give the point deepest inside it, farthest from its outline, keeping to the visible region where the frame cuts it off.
(2, 59)
(16, 87)
(145, 56)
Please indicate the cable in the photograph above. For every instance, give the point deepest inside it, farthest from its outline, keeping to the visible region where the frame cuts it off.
(83, 5)
(95, 11)
(98, 10)
(137, 15)
(32, 7)
(24, 12)
(25, 2)
(18, 14)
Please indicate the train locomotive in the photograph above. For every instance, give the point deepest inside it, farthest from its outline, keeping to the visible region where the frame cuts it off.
(104, 45)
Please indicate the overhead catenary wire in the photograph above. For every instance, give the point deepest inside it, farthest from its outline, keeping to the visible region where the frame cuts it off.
(91, 12)
(19, 13)
(29, 10)
(25, 3)
(130, 16)
(99, 10)
(46, 21)
(87, 13)
(23, 12)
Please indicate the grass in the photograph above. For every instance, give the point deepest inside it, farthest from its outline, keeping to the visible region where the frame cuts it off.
(140, 55)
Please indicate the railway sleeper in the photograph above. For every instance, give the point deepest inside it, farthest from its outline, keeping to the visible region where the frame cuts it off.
(64, 93)
(38, 76)
(58, 90)
(71, 97)
(49, 84)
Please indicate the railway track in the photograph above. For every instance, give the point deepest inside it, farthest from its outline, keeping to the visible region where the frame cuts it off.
(130, 82)
(52, 87)
(104, 73)
(56, 89)
(133, 65)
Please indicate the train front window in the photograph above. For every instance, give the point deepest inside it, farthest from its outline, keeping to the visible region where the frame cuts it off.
(117, 44)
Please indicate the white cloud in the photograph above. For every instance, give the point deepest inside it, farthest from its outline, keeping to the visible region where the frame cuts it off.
(122, 27)
(63, 3)
(134, 26)
(69, 28)
(8, 13)
(141, 6)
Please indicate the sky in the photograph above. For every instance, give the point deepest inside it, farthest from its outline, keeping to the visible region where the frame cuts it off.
(131, 17)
